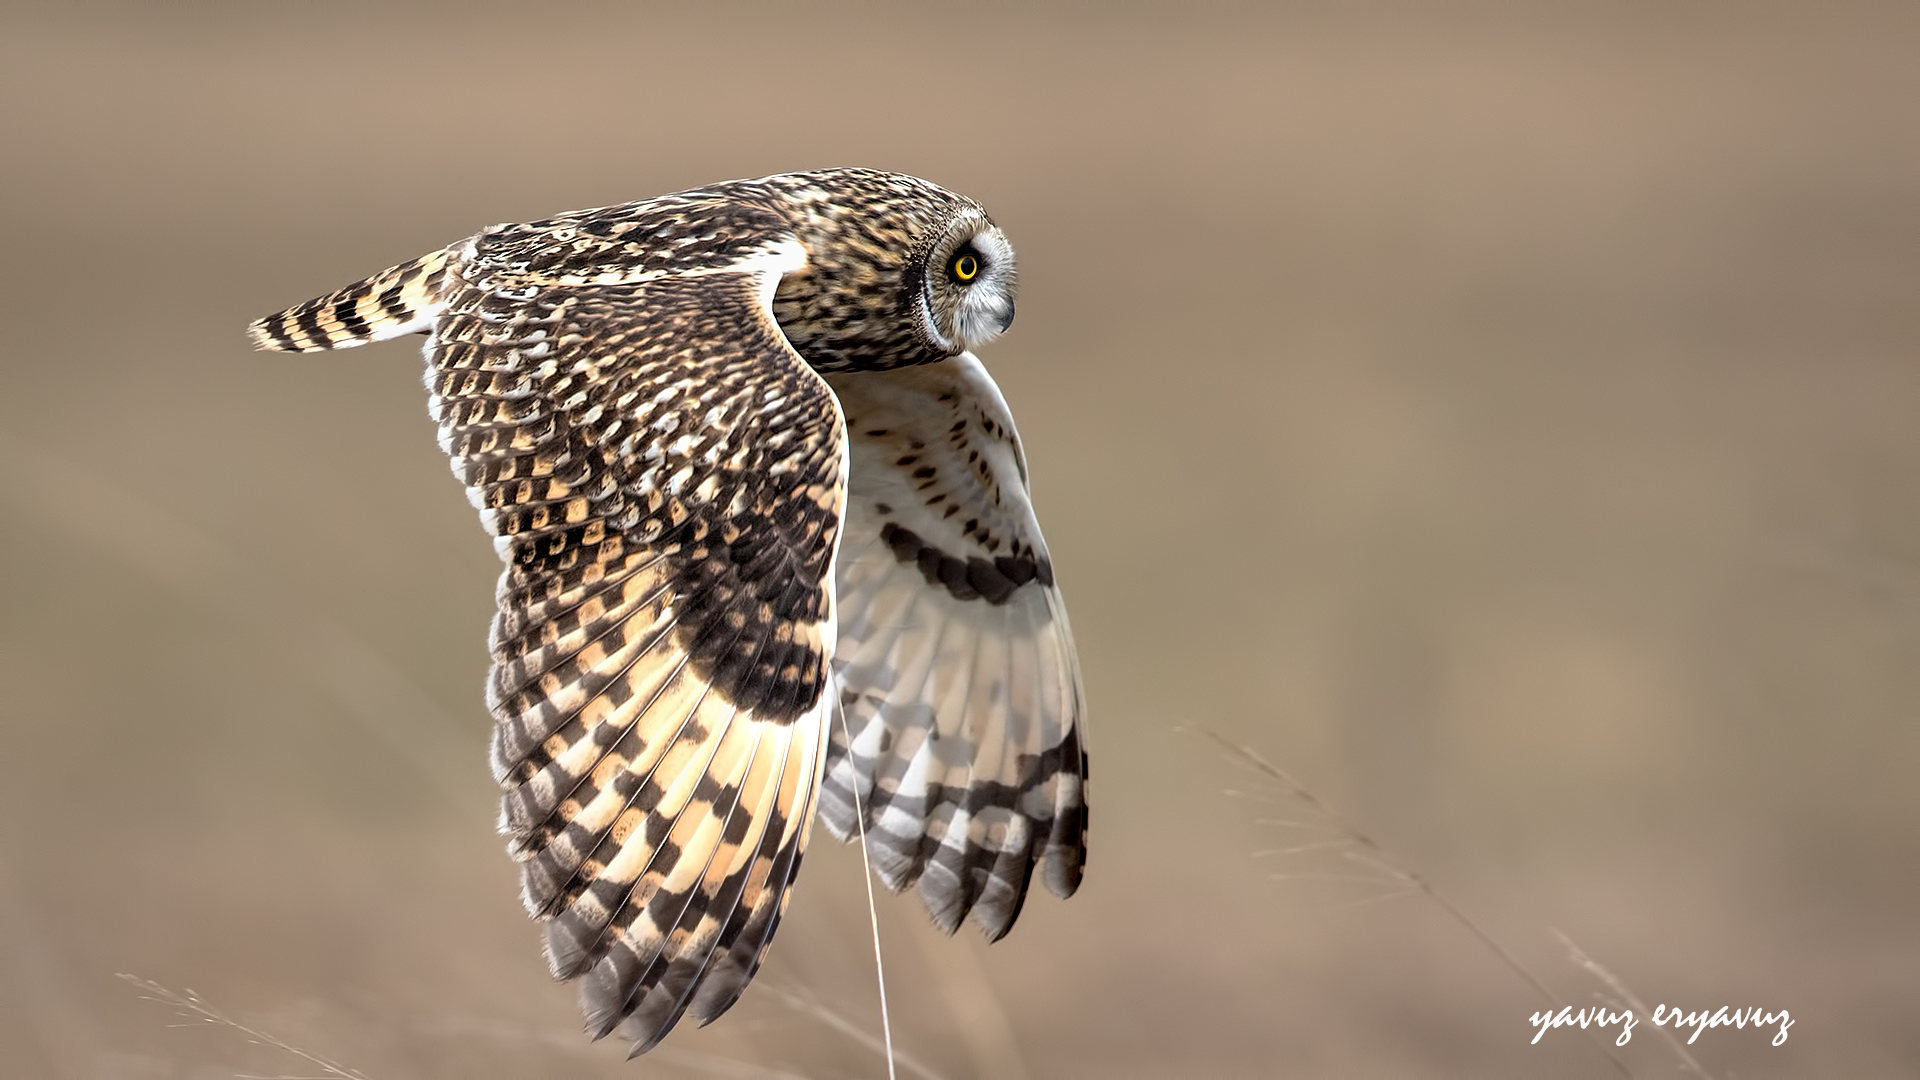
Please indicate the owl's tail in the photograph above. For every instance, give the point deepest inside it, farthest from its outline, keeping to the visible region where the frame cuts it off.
(402, 300)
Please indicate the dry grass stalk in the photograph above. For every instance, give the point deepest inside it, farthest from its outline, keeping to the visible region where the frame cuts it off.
(197, 1010)
(873, 915)
(804, 1002)
(1626, 999)
(1361, 848)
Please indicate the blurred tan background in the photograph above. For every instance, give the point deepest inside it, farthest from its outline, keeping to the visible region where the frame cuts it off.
(1503, 421)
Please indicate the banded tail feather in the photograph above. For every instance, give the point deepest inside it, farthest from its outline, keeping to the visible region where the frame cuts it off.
(400, 300)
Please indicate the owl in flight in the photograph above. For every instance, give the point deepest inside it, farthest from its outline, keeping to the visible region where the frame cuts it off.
(769, 552)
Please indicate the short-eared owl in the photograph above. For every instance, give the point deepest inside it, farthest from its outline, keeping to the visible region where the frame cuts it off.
(746, 476)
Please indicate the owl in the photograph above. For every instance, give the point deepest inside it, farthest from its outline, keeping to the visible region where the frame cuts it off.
(769, 556)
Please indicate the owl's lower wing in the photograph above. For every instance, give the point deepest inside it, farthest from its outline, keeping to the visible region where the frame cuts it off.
(956, 665)
(664, 477)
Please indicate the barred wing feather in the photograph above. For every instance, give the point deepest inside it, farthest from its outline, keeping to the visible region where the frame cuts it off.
(955, 661)
(663, 476)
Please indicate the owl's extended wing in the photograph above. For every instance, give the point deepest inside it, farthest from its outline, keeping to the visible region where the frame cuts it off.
(664, 477)
(956, 665)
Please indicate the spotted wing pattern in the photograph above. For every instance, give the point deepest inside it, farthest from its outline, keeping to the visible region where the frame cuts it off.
(664, 478)
(959, 679)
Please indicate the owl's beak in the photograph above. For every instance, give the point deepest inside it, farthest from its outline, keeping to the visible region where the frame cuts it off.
(1007, 319)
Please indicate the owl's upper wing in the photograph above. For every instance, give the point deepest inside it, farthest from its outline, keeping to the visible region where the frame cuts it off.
(956, 665)
(664, 477)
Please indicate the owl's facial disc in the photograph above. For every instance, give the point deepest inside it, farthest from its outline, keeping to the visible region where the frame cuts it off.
(967, 286)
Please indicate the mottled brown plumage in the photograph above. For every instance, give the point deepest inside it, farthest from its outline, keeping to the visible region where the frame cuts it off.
(633, 396)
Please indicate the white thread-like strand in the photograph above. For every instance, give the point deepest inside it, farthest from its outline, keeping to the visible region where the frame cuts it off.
(873, 911)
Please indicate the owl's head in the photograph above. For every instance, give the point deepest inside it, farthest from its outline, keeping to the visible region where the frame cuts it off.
(899, 271)
(962, 287)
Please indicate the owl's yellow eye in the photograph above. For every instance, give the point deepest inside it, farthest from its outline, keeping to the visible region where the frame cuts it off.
(965, 267)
